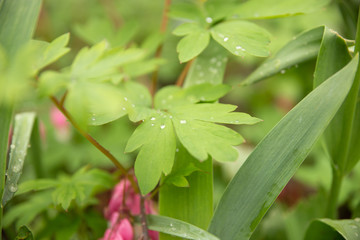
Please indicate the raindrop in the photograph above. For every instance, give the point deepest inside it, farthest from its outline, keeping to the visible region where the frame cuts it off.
(13, 188)
(93, 119)
(226, 39)
(177, 150)
(125, 98)
(171, 117)
(171, 225)
(183, 121)
(213, 60)
(152, 119)
(209, 20)
(152, 124)
(236, 121)
(162, 126)
(240, 48)
(124, 108)
(282, 71)
(16, 168)
(12, 146)
(133, 105)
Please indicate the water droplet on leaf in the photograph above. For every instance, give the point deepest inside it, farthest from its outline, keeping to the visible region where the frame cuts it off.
(162, 126)
(226, 39)
(183, 121)
(152, 119)
(209, 20)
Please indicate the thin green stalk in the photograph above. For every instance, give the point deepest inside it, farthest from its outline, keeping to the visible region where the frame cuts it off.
(6, 113)
(331, 208)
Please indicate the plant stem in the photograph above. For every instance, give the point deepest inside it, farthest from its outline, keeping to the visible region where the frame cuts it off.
(145, 233)
(331, 208)
(95, 143)
(163, 27)
(181, 79)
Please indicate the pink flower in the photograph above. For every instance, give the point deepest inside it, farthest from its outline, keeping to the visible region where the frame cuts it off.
(120, 230)
(62, 126)
(125, 200)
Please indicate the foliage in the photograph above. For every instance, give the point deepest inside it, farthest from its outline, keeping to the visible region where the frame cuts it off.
(111, 78)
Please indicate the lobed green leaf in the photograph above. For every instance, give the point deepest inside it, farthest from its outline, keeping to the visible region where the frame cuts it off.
(241, 38)
(192, 45)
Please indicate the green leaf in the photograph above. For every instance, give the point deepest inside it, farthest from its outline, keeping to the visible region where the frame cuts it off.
(208, 139)
(187, 28)
(24, 234)
(241, 38)
(81, 187)
(208, 67)
(156, 138)
(36, 185)
(304, 47)
(38, 203)
(323, 229)
(179, 172)
(276, 158)
(172, 96)
(260, 9)
(177, 228)
(189, 11)
(219, 113)
(334, 55)
(192, 45)
(48, 53)
(24, 123)
(96, 30)
(99, 63)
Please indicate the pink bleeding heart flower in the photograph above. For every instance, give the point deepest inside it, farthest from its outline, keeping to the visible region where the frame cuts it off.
(119, 230)
(62, 126)
(125, 199)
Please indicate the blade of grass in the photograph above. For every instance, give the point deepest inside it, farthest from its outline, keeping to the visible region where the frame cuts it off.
(17, 23)
(24, 123)
(277, 157)
(178, 228)
(324, 229)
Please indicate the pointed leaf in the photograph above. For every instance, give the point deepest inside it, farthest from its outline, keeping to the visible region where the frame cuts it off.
(156, 138)
(48, 53)
(276, 158)
(324, 229)
(304, 47)
(24, 123)
(241, 38)
(334, 55)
